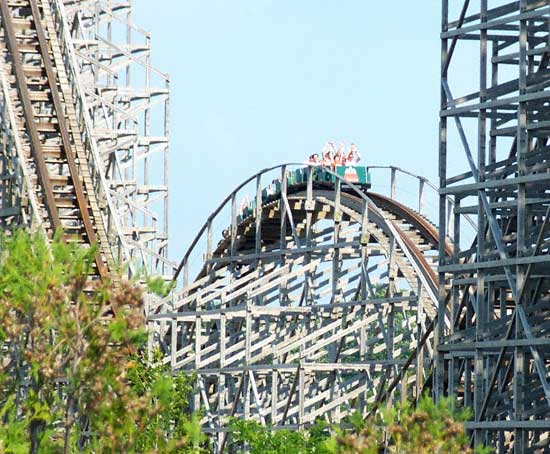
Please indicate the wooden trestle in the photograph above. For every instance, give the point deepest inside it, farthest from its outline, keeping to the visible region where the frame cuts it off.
(320, 302)
(495, 165)
(47, 128)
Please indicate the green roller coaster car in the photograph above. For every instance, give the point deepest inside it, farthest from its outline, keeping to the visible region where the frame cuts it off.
(354, 174)
(358, 175)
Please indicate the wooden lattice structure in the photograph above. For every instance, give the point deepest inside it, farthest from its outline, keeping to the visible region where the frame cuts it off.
(79, 120)
(327, 296)
(320, 301)
(495, 165)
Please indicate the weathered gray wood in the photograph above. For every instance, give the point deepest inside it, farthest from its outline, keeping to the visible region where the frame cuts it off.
(286, 311)
(495, 353)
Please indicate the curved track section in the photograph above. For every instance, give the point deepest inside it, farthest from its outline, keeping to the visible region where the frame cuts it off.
(319, 302)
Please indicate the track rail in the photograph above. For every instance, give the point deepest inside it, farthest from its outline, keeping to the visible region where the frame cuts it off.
(181, 275)
(78, 138)
(47, 127)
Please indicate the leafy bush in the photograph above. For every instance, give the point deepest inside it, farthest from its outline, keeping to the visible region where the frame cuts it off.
(427, 428)
(263, 440)
(71, 379)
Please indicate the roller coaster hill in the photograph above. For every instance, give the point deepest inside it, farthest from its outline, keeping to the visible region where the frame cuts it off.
(316, 297)
(297, 179)
(310, 291)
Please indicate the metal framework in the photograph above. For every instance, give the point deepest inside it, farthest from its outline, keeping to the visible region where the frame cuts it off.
(323, 300)
(495, 355)
(82, 122)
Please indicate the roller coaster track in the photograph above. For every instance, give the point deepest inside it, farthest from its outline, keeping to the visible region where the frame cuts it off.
(325, 296)
(321, 300)
(76, 142)
(50, 143)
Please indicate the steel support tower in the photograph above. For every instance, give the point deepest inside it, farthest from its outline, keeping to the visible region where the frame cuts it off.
(494, 163)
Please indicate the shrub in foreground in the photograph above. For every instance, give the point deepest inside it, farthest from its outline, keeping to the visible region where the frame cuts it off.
(71, 377)
(427, 428)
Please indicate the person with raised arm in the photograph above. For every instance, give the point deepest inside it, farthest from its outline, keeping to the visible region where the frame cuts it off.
(353, 155)
(314, 159)
(327, 156)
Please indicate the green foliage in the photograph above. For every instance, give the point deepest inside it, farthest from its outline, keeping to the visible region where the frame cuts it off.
(70, 379)
(13, 433)
(168, 412)
(159, 286)
(426, 428)
(262, 440)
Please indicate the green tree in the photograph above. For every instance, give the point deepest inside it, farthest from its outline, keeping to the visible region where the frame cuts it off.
(424, 428)
(427, 428)
(263, 440)
(168, 412)
(71, 379)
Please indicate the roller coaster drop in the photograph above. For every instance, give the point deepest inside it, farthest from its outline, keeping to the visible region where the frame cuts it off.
(322, 295)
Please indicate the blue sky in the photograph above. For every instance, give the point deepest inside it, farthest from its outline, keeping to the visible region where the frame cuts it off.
(261, 82)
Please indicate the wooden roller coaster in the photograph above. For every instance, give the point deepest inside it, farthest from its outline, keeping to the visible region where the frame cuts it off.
(320, 301)
(322, 295)
(76, 136)
(43, 109)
